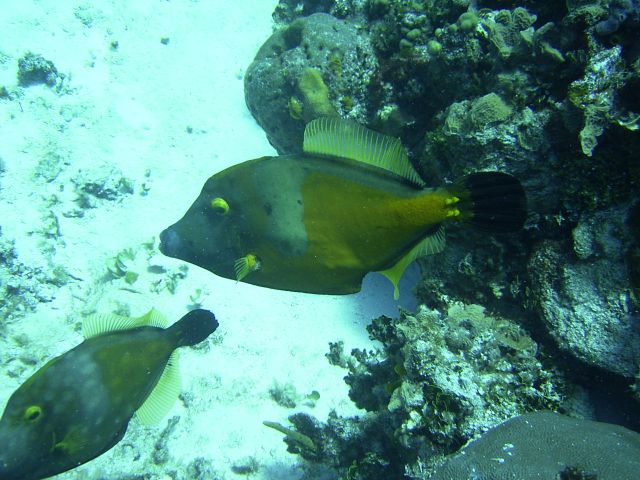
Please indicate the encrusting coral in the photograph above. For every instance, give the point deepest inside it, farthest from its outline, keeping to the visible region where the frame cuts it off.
(439, 380)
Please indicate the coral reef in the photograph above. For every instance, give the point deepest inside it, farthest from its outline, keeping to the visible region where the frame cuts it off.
(439, 380)
(450, 376)
(318, 60)
(546, 91)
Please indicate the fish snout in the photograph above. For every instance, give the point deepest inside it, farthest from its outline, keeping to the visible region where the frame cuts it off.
(17, 460)
(7, 471)
(170, 242)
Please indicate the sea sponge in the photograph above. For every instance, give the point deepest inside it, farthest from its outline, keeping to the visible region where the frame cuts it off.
(468, 21)
(315, 95)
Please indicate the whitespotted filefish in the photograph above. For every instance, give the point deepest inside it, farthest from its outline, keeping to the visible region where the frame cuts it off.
(79, 404)
(319, 221)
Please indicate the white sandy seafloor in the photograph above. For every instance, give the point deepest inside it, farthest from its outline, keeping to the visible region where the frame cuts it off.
(164, 117)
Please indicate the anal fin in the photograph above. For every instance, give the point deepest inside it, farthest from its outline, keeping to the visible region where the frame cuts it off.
(434, 243)
(164, 394)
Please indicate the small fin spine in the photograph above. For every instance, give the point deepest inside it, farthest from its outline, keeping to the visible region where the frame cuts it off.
(245, 265)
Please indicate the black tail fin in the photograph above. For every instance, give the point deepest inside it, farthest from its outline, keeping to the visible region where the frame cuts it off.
(194, 327)
(497, 201)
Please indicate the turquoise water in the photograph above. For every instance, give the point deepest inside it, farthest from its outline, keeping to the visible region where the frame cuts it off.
(113, 116)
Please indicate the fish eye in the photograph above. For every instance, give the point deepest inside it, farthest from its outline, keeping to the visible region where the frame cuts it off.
(33, 412)
(220, 206)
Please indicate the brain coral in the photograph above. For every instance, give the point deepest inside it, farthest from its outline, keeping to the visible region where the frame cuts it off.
(545, 445)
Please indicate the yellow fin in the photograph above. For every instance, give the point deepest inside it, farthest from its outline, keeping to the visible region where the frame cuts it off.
(434, 243)
(330, 136)
(245, 265)
(98, 323)
(163, 396)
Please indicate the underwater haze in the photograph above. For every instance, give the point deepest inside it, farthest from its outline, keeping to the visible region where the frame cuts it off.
(115, 114)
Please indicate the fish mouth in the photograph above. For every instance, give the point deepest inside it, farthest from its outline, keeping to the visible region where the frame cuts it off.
(176, 245)
(170, 243)
(15, 465)
(7, 473)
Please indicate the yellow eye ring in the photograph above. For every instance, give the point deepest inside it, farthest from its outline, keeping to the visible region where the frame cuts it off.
(220, 206)
(33, 412)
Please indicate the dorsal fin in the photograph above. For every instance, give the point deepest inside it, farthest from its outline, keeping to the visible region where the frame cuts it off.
(336, 137)
(100, 323)
(164, 394)
(434, 243)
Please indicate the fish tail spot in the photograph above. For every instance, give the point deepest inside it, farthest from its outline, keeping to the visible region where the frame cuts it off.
(451, 200)
(194, 327)
(453, 212)
(494, 201)
(245, 265)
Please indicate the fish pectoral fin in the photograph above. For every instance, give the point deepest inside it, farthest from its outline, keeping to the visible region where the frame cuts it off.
(72, 442)
(434, 243)
(245, 265)
(163, 395)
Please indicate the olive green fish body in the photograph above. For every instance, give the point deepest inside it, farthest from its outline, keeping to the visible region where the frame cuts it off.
(318, 222)
(78, 405)
(317, 225)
